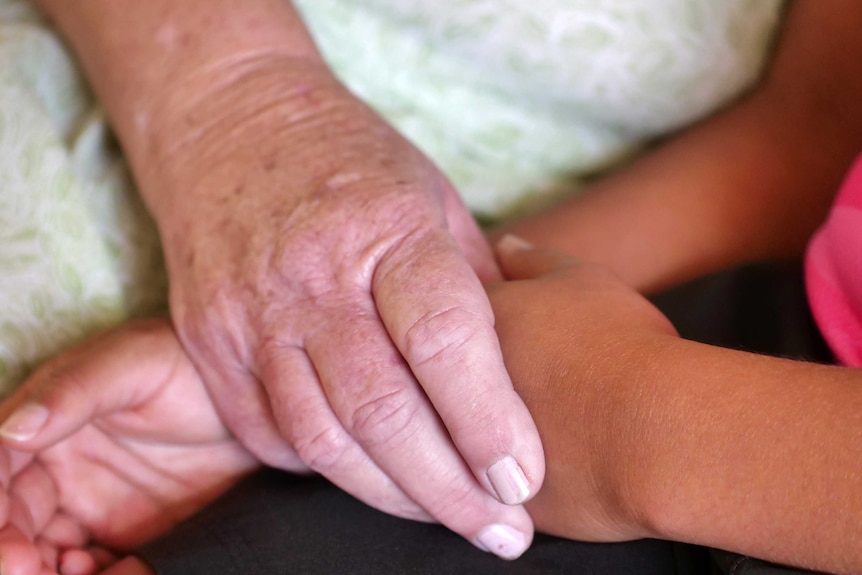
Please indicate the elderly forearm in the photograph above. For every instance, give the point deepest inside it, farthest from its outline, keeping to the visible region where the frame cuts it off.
(154, 64)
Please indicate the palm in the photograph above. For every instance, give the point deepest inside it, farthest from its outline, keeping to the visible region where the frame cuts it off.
(157, 453)
(126, 486)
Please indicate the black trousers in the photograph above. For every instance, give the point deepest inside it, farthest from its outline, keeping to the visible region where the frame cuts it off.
(275, 523)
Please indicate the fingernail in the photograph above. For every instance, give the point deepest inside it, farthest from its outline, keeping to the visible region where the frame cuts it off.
(502, 540)
(512, 243)
(508, 480)
(25, 423)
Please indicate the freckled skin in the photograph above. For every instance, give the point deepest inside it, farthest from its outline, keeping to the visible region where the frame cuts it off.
(341, 228)
(345, 280)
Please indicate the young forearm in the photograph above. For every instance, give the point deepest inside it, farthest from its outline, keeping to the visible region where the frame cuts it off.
(753, 454)
(730, 191)
(650, 435)
(694, 443)
(751, 183)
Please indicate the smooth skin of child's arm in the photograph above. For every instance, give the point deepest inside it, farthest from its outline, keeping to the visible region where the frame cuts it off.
(752, 182)
(649, 435)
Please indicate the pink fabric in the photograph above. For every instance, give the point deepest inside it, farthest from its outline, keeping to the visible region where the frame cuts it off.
(833, 272)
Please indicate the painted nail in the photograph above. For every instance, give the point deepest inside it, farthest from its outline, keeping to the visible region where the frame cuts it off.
(509, 481)
(25, 423)
(502, 540)
(512, 243)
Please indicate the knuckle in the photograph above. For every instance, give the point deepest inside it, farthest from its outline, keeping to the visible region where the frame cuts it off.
(384, 419)
(441, 334)
(322, 451)
(271, 349)
(481, 417)
(315, 437)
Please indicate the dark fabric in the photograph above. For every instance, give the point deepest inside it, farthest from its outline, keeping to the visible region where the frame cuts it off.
(274, 523)
(760, 308)
(734, 564)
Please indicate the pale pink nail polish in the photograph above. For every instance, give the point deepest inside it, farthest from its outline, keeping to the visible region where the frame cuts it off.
(502, 540)
(509, 481)
(25, 422)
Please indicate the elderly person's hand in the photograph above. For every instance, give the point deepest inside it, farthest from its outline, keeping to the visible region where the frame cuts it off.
(325, 277)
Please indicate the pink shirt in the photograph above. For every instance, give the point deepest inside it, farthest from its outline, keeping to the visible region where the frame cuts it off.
(833, 272)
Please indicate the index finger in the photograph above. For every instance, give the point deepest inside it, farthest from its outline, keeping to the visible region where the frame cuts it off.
(438, 315)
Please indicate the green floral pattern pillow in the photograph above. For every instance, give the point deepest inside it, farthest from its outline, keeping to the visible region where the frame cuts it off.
(77, 250)
(518, 100)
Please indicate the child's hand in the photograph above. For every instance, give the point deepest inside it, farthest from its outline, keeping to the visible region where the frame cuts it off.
(110, 444)
(572, 336)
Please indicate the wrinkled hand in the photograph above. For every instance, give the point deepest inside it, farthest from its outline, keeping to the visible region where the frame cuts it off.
(112, 444)
(325, 279)
(575, 338)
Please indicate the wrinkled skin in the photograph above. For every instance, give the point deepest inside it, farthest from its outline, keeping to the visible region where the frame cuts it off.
(150, 438)
(325, 280)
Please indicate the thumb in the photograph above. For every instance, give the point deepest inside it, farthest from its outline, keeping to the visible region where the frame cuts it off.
(116, 371)
(520, 260)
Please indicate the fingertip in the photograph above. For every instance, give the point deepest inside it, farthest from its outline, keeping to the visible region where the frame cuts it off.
(18, 555)
(519, 259)
(509, 481)
(510, 243)
(76, 562)
(25, 422)
(517, 474)
(504, 541)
